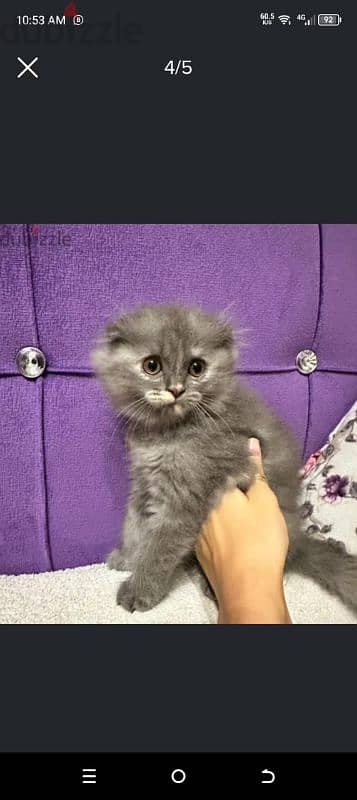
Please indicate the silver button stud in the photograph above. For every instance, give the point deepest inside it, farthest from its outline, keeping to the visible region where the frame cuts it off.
(31, 362)
(306, 361)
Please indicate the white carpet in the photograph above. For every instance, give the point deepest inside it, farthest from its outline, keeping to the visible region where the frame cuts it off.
(87, 596)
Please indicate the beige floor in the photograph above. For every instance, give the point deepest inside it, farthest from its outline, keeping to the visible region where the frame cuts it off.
(87, 596)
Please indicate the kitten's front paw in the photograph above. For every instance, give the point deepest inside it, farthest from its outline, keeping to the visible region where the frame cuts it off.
(199, 579)
(132, 600)
(126, 595)
(207, 588)
(116, 560)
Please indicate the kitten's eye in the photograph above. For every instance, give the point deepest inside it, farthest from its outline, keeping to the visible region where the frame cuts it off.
(196, 367)
(152, 365)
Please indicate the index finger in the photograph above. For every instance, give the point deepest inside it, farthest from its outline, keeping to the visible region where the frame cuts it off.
(259, 488)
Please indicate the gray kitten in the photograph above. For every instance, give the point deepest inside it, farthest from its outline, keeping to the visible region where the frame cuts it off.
(169, 371)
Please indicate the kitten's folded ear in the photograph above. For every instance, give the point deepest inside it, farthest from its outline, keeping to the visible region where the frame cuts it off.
(101, 355)
(225, 335)
(113, 334)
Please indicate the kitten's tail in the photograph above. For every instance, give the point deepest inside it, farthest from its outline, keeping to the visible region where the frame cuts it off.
(329, 564)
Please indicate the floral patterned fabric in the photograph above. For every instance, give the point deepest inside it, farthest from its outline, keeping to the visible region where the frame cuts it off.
(329, 486)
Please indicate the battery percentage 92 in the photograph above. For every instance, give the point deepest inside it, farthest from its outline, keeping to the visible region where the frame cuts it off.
(329, 20)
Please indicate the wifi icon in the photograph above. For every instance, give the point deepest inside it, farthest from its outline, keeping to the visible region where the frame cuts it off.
(284, 19)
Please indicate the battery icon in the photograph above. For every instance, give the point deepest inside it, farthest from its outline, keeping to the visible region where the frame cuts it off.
(329, 20)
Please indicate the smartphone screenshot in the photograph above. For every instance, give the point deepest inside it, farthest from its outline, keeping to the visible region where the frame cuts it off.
(178, 395)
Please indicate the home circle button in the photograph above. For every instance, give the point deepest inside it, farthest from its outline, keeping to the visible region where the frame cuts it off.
(178, 776)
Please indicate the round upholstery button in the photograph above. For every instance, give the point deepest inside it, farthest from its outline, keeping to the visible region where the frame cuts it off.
(306, 361)
(31, 362)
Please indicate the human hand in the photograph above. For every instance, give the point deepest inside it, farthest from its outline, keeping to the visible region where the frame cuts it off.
(242, 549)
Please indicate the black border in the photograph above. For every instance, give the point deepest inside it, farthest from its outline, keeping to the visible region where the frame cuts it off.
(178, 688)
(263, 131)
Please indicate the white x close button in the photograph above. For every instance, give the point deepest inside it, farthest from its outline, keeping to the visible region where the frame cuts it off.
(27, 67)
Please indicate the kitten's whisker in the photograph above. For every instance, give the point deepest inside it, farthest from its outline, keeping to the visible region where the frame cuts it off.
(205, 413)
(201, 413)
(130, 405)
(116, 428)
(212, 421)
(143, 419)
(113, 432)
(225, 311)
(196, 413)
(129, 412)
(139, 417)
(147, 420)
(127, 423)
(213, 411)
(206, 419)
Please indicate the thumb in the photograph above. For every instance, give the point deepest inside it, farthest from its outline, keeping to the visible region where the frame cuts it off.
(256, 455)
(257, 490)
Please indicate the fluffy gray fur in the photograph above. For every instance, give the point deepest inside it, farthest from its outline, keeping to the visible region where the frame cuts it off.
(187, 450)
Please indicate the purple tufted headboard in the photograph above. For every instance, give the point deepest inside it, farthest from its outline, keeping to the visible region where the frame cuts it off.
(62, 467)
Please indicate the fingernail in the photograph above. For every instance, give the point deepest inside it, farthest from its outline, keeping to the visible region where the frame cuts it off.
(254, 447)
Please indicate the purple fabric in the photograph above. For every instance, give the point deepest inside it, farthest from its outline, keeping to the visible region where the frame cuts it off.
(63, 476)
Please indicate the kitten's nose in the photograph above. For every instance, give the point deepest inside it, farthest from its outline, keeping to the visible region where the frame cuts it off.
(177, 389)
